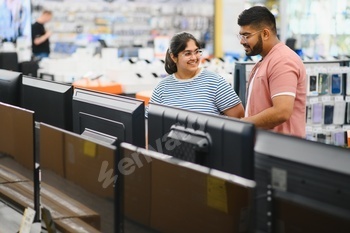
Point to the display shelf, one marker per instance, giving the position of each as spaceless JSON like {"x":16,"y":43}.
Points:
{"x":322,"y":126}
{"x":128,"y":23}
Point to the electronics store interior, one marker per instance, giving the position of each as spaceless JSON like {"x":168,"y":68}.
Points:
{"x":86,"y":145}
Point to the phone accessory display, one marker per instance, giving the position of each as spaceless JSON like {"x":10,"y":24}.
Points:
{"x":321,"y":137}
{"x":323,"y":83}
{"x":336,"y":84}
{"x":328,"y":104}
{"x":308,"y":114}
{"x":312,"y":81}
{"x":310,"y":136}
{"x":338,"y":138}
{"x":347,"y":118}
{"x":328,"y":114}
{"x":317,"y":113}
{"x":339,"y":112}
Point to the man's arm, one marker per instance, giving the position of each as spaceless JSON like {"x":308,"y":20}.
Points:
{"x":43,"y":38}
{"x":236,"y":111}
{"x":280,"y":112}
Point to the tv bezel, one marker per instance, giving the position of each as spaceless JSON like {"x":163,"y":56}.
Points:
{"x":232,"y":152}
{"x":127,"y":114}
{"x":304,"y":174}
{"x":10,"y":87}
{"x":42,"y":97}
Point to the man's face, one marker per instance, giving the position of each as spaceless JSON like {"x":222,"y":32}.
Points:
{"x":47,"y":17}
{"x":251,"y":40}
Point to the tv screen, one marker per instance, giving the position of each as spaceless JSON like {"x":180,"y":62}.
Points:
{"x":10,"y":87}
{"x":218,"y":142}
{"x":306,"y":182}
{"x":79,"y":181}
{"x":18,"y":152}
{"x":114,"y":115}
{"x":51,"y":101}
{"x":164,"y":194}
{"x":17,"y":134}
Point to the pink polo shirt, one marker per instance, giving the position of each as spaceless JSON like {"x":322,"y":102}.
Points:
{"x":281,"y":72}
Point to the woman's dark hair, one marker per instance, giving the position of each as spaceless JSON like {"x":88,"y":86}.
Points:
{"x":257,"y":17}
{"x":177,"y":44}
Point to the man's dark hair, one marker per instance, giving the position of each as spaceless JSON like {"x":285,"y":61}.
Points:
{"x":258,"y":17}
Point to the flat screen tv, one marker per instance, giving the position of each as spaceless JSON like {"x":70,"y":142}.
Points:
{"x":215,"y":141}
{"x":51,"y":101}
{"x":165,"y":194}
{"x":17,"y":139}
{"x":10,"y":87}
{"x":306,"y":182}
{"x":118,"y":116}
{"x":84,"y":171}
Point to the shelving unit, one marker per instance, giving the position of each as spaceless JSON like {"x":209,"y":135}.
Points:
{"x":126,"y":23}
{"x":330,"y":131}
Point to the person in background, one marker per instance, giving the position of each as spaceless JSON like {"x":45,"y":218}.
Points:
{"x":40,"y":37}
{"x":188,"y":86}
{"x":276,"y":94}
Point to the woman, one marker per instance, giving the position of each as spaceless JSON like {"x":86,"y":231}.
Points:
{"x":193,"y":88}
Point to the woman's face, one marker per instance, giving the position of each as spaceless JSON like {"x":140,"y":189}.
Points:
{"x":189,"y":59}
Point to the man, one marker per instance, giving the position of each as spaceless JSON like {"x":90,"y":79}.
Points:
{"x":40,"y":37}
{"x":276,"y":94}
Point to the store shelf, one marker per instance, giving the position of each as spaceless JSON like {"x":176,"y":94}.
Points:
{"x":127,"y":22}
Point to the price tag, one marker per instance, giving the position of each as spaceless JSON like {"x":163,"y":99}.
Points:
{"x":326,"y":98}
{"x":217,"y":194}
{"x":90,"y":149}
{"x":313,"y":100}
{"x":279,"y":179}
{"x":27,"y":220}
{"x":338,"y":98}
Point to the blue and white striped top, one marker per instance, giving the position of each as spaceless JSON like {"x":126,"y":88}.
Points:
{"x":207,"y":92}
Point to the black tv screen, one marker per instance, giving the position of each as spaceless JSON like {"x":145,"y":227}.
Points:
{"x":223,"y":143}
{"x":51,"y":101}
{"x":10,"y":87}
{"x":114,"y":115}
{"x":306,"y":182}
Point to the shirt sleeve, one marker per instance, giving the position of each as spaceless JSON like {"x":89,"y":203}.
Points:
{"x":225,"y":97}
{"x":156,"y":97}
{"x":284,"y":78}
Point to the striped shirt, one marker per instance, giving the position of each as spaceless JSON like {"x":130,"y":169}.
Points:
{"x":207,"y":92}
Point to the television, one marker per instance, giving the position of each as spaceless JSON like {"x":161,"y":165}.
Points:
{"x":10,"y":87}
{"x":215,"y":141}
{"x":302,"y":185}
{"x":165,"y":194}
{"x":117,"y":116}
{"x":51,"y":101}
{"x":17,"y":140}
{"x":80,"y":179}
